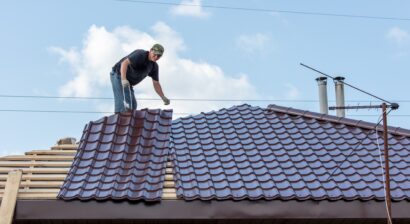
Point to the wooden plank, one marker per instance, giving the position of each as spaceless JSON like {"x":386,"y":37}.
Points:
{"x":42,"y":184}
{"x":40,"y":190}
{"x":51,"y":196}
{"x":64,"y":147}
{"x":36,"y":190}
{"x":168,"y":177}
{"x":38,"y":177}
{"x":34,"y":164}
{"x":51,"y":152}
{"x":169,"y":196}
{"x":169,"y":184}
{"x":38,"y":170}
{"x":38,"y":196}
{"x":169,"y":190}
{"x":8,"y":203}
{"x":38,"y":184}
{"x":37,"y":158}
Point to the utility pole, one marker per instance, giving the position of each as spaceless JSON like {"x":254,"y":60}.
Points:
{"x":384,"y":107}
{"x":386,"y":160}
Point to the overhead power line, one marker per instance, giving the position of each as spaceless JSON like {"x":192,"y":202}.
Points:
{"x":110,"y":112}
{"x":56,"y":97}
{"x":269,"y":10}
{"x":346,"y":84}
{"x":155,"y":99}
{"x":180,"y":99}
{"x":147,"y":99}
{"x":67,"y":111}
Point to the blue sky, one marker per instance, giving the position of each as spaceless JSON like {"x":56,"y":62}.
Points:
{"x":66,"y":48}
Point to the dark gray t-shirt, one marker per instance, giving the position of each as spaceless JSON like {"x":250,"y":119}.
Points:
{"x":139,"y":68}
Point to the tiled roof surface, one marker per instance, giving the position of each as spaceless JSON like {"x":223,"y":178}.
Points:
{"x":122,"y":156}
{"x":247,"y":152}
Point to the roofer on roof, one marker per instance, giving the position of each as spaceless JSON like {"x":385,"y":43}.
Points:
{"x":130,"y":71}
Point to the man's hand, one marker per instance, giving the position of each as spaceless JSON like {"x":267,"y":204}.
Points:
{"x":125,"y":83}
{"x":166,"y":100}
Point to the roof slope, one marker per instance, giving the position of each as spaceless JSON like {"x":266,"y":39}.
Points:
{"x":122,"y":156}
{"x":247,"y":152}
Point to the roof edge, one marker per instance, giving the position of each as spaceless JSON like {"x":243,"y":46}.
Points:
{"x":335,"y":119}
{"x":179,"y":209}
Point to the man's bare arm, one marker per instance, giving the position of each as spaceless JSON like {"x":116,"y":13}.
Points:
{"x":124,"y":67}
{"x":158,"y":89}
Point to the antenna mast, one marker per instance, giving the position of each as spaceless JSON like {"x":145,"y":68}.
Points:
{"x":386,"y":104}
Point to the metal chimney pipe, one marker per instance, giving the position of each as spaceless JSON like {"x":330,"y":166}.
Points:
{"x":322,"y":82}
{"x":340,"y":95}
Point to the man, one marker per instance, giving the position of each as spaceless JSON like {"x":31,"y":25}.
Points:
{"x":130,"y":71}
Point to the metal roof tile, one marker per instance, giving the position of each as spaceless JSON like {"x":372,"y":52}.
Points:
{"x":284,"y":185}
{"x":121,"y":157}
{"x":285,"y":153}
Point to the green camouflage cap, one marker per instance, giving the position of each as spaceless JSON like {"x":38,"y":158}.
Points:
{"x":158,"y":49}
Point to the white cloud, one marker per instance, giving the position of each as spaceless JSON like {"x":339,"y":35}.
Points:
{"x":252,"y":44}
{"x":191,"y":8}
{"x":179,"y":77}
{"x":70,"y":56}
{"x":398,"y":35}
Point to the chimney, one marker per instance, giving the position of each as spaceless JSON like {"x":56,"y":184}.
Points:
{"x":66,"y":141}
{"x":322,"y":82}
{"x":340,"y":95}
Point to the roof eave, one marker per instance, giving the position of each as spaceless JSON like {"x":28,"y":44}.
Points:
{"x":182,"y":210}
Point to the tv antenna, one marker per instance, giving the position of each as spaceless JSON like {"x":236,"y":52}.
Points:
{"x":386,"y":104}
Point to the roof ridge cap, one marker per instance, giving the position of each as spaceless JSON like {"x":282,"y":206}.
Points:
{"x":342,"y":120}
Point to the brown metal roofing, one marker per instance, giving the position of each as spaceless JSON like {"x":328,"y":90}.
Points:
{"x":180,"y":211}
{"x":241,"y":128}
{"x":122,"y":156}
{"x":247,"y":152}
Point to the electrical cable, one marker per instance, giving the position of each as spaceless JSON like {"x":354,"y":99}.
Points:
{"x":181,"y":99}
{"x":268,"y":10}
{"x":381,"y":164}
{"x":71,"y":112}
{"x":356,"y":88}
{"x":156,"y":99}
{"x":353,"y":151}
{"x":182,"y":113}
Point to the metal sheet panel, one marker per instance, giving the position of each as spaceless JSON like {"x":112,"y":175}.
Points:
{"x":254,"y":153}
{"x":122,"y":156}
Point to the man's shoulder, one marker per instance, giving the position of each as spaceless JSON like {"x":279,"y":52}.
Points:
{"x":139,"y":52}
{"x":138,"y":56}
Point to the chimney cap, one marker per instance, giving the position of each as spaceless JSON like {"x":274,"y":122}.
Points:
{"x":339,"y":78}
{"x":321,"y":78}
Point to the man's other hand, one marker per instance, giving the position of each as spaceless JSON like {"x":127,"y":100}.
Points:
{"x":125,"y":83}
{"x":166,"y":100}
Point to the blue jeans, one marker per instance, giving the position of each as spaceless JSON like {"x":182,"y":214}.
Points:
{"x":119,"y":94}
